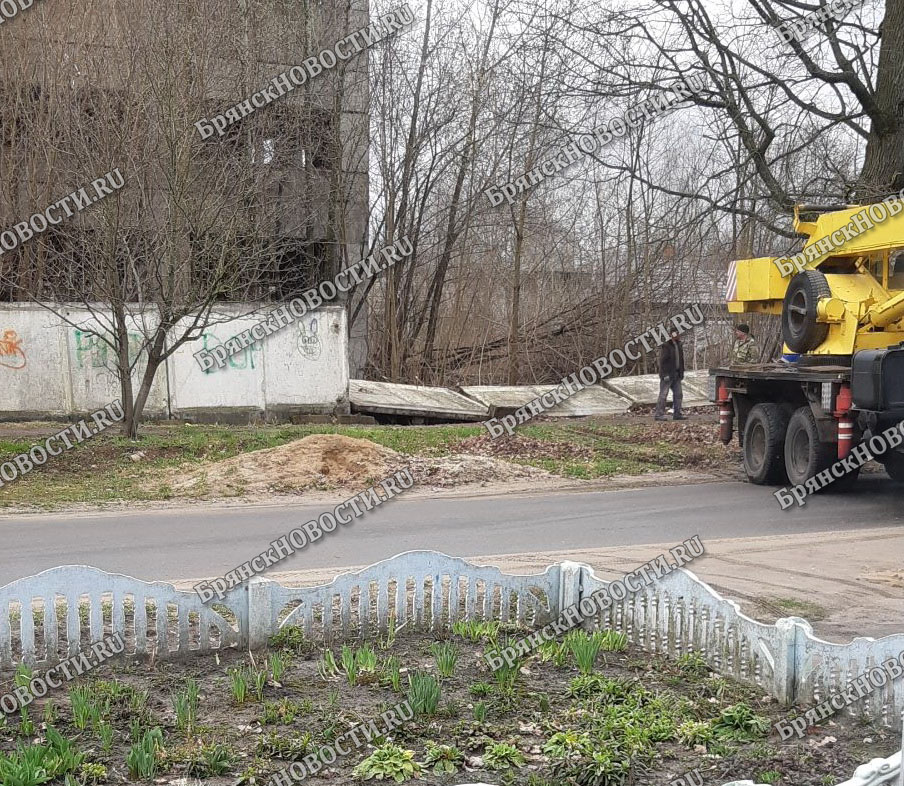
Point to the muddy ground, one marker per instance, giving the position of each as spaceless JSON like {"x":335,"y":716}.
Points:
{"x":631,"y":697}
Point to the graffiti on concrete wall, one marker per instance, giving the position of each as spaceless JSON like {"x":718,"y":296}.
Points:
{"x":309,"y":342}
{"x":11,"y":353}
{"x":240,"y":361}
{"x":92,"y":352}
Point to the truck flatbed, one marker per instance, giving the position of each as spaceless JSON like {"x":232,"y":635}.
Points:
{"x":784,"y":371}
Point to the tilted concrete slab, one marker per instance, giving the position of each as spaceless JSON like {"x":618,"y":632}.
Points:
{"x":644,"y":389}
{"x":594,"y":400}
{"x":614,"y":396}
{"x":387,"y":398}
{"x":699,"y":381}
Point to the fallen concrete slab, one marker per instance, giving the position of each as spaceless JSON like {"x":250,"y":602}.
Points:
{"x":594,"y":400}
{"x":387,"y":398}
{"x":644,"y":389}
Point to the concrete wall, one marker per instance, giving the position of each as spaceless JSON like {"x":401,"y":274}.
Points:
{"x":49,"y":368}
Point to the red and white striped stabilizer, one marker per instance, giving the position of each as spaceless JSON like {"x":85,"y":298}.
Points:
{"x":845,"y":436}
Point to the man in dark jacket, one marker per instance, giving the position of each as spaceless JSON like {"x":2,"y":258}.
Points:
{"x":671,"y":372}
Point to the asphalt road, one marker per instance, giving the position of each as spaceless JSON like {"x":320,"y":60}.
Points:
{"x":202,"y":541}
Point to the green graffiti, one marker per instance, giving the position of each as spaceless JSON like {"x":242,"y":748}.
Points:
{"x":240,"y":361}
{"x":92,"y":352}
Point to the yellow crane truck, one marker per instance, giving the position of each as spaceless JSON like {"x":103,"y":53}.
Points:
{"x":840,"y":380}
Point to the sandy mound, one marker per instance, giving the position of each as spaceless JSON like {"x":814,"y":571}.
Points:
{"x":320,"y":460}
{"x":333,"y":461}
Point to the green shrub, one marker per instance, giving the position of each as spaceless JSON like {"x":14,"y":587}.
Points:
{"x":443,"y":758}
{"x":105,"y":733}
{"x":23,"y":676}
{"x":32,"y":765}
{"x":210,"y":761}
{"x":692,"y":664}
{"x":349,"y":664}
{"x":741,"y":723}
{"x":446,"y":656}
{"x":566,"y":744}
{"x":80,"y":701}
{"x":388,"y":761}
{"x":91,"y":772}
{"x":480,"y":690}
{"x":290,"y":638}
{"x":288,"y":747}
{"x":502,"y":756}
{"x":51,"y":713}
{"x":613,"y":641}
{"x":476,"y":631}
{"x":326,"y":666}
{"x":423,"y":693}
{"x":392,"y":674}
{"x":366,"y":659}
{"x":284,"y":711}
{"x":259,"y":680}
{"x":277,"y":664}
{"x":26,"y":724}
{"x":142,"y":758}
{"x":604,"y":767}
{"x":239,"y":683}
{"x":552,"y":650}
{"x":692,"y":733}
{"x":584,"y":649}
{"x":506,"y":675}
{"x":593,"y":685}
{"x":185,"y":706}
{"x":714,"y":687}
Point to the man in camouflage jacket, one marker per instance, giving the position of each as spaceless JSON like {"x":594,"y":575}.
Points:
{"x":744,"y":349}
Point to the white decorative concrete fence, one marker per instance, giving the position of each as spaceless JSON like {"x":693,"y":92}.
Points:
{"x":679,"y":613}
{"x":57,"y":613}
{"x":75,"y":605}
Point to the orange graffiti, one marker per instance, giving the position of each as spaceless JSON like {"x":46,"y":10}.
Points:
{"x":11,"y":354}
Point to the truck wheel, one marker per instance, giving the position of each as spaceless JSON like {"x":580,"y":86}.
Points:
{"x":805,"y":455}
{"x":894,"y":466}
{"x":764,"y":435}
{"x":800,"y":330}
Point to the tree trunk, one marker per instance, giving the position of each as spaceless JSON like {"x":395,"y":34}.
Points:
{"x":515,"y":323}
{"x":883,"y":165}
{"x":155,"y":354}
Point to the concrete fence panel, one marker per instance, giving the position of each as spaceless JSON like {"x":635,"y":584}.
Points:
{"x":62,"y":611}
{"x":423,"y":590}
{"x":93,"y":378}
{"x":239,"y":384}
{"x":34,"y":362}
{"x":307,"y":364}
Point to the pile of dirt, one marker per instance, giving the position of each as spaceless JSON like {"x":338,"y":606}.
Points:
{"x":466,"y":470}
{"x":317,"y":461}
{"x":333,"y":461}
